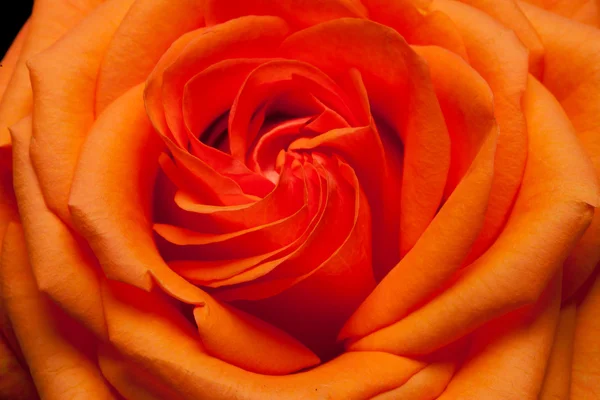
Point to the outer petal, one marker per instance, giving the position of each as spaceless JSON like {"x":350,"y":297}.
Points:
{"x":498,"y":55}
{"x":586,"y":348}
{"x":174,"y":359}
{"x":554,"y":207}
{"x":576,"y":85}
{"x":557,"y":380}
{"x":50,"y":19}
{"x":467,"y":103}
{"x":63,"y":266}
{"x":510,"y":15}
{"x":64,"y":87}
{"x":299,"y":13}
{"x":508,"y":356}
{"x":585,"y":11}
{"x":143,"y":36}
{"x":9,"y":62}
{"x":58,"y":352}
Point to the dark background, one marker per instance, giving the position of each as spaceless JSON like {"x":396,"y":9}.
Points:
{"x":13,"y":16}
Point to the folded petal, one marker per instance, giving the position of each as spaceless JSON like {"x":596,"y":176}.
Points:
{"x":174,"y":358}
{"x":508,"y":357}
{"x":467,"y":104}
{"x":501,"y":59}
{"x":63,"y":78}
{"x":49,"y":21}
{"x":586,"y":349}
{"x":576,"y":85}
{"x":557,"y":380}
{"x":9,"y":62}
{"x":62,"y":263}
{"x":399,"y":87}
{"x":140,"y":40}
{"x":554,"y":207}
{"x":299,"y":13}
{"x":60,"y":355}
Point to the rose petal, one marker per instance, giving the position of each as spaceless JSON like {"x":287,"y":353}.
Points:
{"x":15,"y":383}
{"x":9,"y":62}
{"x":508,"y":356}
{"x":246,"y":37}
{"x":64,"y":89}
{"x":557,"y":380}
{"x":299,"y":13}
{"x":510,"y":15}
{"x":398,"y":84}
{"x":63,"y":266}
{"x":428,"y":265}
{"x":50,"y":19}
{"x":173,"y":357}
{"x":501,"y":59}
{"x":585,"y":11}
{"x":576,"y":85}
{"x":554,"y":207}
{"x":58,"y":352}
{"x":586,"y":350}
{"x":140,"y":40}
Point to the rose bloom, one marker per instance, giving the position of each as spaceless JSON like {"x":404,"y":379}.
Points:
{"x":301,"y":199}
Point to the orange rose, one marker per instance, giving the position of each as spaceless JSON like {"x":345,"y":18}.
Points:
{"x":301,"y":199}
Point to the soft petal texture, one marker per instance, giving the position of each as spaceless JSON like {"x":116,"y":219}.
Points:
{"x":554,"y":207}
{"x":62,"y":265}
{"x":585,"y":11}
{"x":428,"y":265}
{"x":395,"y":72}
{"x":186,"y":371}
{"x":15,"y":382}
{"x":576,"y":85}
{"x":499,"y":56}
{"x":586,"y":349}
{"x":116,"y":221}
{"x":64,"y":88}
{"x":509,"y":355}
{"x":59,"y":354}
{"x":300,"y":13}
{"x":557,"y":380}
{"x":10,"y":59}
{"x":50,"y":19}
{"x":510,"y":15}
{"x":140,"y":40}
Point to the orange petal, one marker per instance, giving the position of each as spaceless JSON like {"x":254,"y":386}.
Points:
{"x":428,"y":265}
{"x":234,"y":337}
{"x":64,"y":89}
{"x":50,"y":19}
{"x":427,"y":384}
{"x":586,"y":348}
{"x":584,"y":11}
{"x":508,"y":357}
{"x":557,"y":380}
{"x":510,"y":15}
{"x":500,"y":58}
{"x":60,"y":355}
{"x":63,"y":266}
{"x":9,"y":62}
{"x":576,"y":85}
{"x":246,"y":37}
{"x":15,"y":382}
{"x":140,"y":40}
{"x":174,"y":358}
{"x":554,"y":207}
{"x":299,"y":13}
{"x":399,"y":87}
